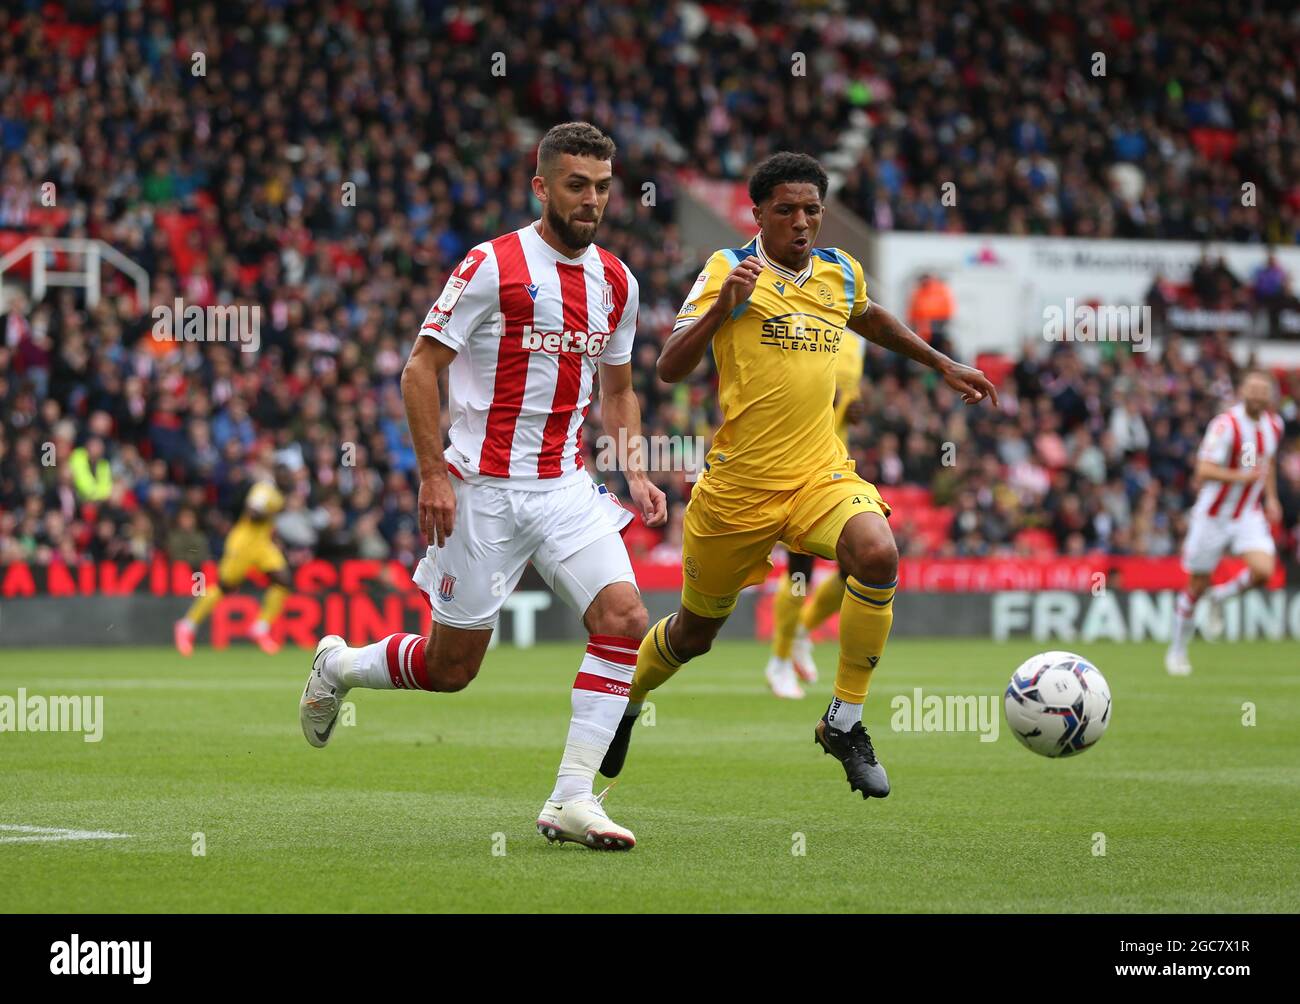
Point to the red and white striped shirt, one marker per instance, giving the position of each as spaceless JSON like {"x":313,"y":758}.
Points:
{"x":1236,"y":440}
{"x":529,"y":326}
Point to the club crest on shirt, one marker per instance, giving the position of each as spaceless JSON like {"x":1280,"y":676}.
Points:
{"x":447,"y":588}
{"x":607,"y":296}
{"x":824,"y":294}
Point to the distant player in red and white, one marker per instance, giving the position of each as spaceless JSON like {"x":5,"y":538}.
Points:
{"x":1234,"y":507}
{"x":521,"y":329}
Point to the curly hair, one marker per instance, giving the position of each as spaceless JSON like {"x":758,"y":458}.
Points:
{"x":784,"y":167}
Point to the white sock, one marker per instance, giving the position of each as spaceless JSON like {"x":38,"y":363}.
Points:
{"x":843,"y":715}
{"x":1239,"y":583}
{"x":599,"y":697}
{"x":1184,"y":609}
{"x":260,"y":627}
{"x":383,"y":665}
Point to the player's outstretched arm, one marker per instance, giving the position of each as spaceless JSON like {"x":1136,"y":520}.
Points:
{"x":620,"y":412}
{"x":420,"y":394}
{"x":879,"y":326}
{"x":685,"y":347}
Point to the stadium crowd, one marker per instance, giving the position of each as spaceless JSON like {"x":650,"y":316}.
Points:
{"x":333,"y":162}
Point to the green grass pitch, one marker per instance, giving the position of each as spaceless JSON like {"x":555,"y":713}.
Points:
{"x":411,"y":808}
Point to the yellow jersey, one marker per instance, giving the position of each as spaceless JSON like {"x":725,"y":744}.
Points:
{"x":777,"y":357}
{"x":262,"y":502}
{"x":251,"y":541}
{"x":848,"y":380}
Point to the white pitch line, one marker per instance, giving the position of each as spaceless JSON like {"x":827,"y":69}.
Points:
{"x":43,"y":834}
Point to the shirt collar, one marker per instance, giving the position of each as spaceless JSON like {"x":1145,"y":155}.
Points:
{"x":798,"y":278}
{"x":531,"y":233}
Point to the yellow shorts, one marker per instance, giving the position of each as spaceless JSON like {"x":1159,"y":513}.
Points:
{"x":248,"y":547}
{"x":730,"y":530}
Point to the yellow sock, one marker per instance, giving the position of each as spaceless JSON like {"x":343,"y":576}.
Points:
{"x":201,"y":607}
{"x":865,"y":618}
{"x":273,"y":603}
{"x":785,"y":615}
{"x":827,"y":598}
{"x":655,"y":662}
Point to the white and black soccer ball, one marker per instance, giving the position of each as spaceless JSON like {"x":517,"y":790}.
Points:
{"x":1057,"y":704}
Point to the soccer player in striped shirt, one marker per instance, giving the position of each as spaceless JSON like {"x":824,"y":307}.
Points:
{"x":1234,"y":506}
{"x":522,"y":328}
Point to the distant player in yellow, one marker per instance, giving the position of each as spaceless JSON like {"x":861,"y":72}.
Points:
{"x":796,"y":613}
{"x":250,"y":545}
{"x":774,"y":313}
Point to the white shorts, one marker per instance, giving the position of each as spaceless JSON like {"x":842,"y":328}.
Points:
{"x":571,"y":535}
{"x":1208,"y":538}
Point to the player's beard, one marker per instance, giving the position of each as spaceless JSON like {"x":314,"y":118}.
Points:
{"x":575,"y":238}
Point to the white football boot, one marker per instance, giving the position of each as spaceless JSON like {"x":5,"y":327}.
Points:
{"x":318,"y":710}
{"x":781,"y":678}
{"x":801,"y":654}
{"x":583,"y":821}
{"x":1176,"y":664}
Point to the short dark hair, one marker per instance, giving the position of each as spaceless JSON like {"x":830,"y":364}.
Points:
{"x":786,"y":167}
{"x":581,"y":139}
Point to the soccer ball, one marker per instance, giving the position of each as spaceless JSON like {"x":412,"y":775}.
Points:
{"x":1057,"y":704}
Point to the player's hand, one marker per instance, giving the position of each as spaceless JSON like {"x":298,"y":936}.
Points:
{"x":739,"y":285}
{"x":1257,"y":473}
{"x":1273,"y":511}
{"x":650,"y":501}
{"x":437,"y":507}
{"x":970,"y":383}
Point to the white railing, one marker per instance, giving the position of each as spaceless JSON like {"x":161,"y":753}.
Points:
{"x":92,"y":254}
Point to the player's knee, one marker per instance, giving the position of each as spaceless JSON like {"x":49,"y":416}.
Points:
{"x":1259,"y":577}
{"x":624,"y":617}
{"x":873,"y":561}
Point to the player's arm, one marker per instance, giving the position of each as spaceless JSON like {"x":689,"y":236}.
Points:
{"x":420,"y":394}
{"x":1272,"y":503}
{"x":1216,"y":453}
{"x":879,"y":326}
{"x":1208,"y":470}
{"x":687,"y":344}
{"x":620,"y":412}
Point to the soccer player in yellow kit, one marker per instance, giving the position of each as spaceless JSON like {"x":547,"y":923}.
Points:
{"x":795,"y":614}
{"x":774,"y":313}
{"x":249,"y":545}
